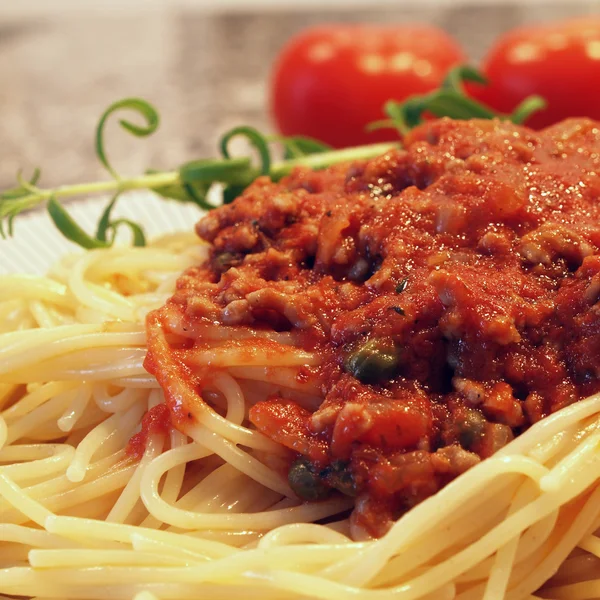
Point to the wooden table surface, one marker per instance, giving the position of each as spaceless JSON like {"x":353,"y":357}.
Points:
{"x":205,"y":73}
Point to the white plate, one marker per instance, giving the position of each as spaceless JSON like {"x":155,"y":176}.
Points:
{"x":37,"y":244}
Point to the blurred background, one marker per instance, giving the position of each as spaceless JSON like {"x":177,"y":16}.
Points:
{"x":203,"y":64}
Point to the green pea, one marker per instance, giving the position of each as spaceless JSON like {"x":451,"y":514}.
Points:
{"x":306,"y":484}
{"x":374,"y":361}
{"x":225,"y":260}
{"x":469,"y":426}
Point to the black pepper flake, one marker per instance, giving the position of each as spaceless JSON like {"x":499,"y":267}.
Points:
{"x":397,"y":309}
{"x":402,"y":286}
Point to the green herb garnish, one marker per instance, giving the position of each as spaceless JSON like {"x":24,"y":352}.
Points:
{"x":192,"y":181}
{"x":451,"y":100}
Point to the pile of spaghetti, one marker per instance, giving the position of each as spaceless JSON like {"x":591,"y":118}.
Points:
{"x":324,"y":404}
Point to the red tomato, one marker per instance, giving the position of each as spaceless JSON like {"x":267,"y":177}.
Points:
{"x":559,"y":61}
{"x":287,"y":423}
{"x":330,"y":82}
{"x":391,"y":425}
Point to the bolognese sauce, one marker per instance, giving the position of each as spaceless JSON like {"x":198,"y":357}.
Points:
{"x":450,"y":290}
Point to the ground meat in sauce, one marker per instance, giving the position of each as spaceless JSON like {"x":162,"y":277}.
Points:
{"x":452,"y":289}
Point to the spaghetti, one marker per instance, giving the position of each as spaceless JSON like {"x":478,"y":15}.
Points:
{"x":196,"y":503}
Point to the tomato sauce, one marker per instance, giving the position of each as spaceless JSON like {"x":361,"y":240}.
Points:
{"x":451,"y":290}
{"x":156,"y":421}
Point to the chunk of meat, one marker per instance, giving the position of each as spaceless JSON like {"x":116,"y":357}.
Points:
{"x":390,"y":425}
{"x":551,"y":241}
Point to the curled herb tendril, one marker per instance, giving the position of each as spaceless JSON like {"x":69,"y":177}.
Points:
{"x":138,"y":105}
{"x":256,"y":139}
{"x":193,"y":181}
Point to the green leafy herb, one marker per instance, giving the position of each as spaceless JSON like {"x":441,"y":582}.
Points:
{"x":105,"y":223}
{"x":299,"y":146}
{"x":136,"y":104}
{"x":529,"y":106}
{"x":14,"y":201}
{"x":456,"y":76}
{"x":450,"y":100}
{"x":106,"y":226}
{"x":69,"y":228}
{"x":256,"y":139}
{"x":193,"y":181}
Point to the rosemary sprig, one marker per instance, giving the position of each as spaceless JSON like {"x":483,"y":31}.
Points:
{"x":192,"y":181}
{"x":450,"y":100}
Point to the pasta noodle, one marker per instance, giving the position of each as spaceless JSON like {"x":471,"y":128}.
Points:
{"x":206,"y":513}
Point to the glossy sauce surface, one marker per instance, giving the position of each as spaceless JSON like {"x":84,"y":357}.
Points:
{"x":450,"y":290}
